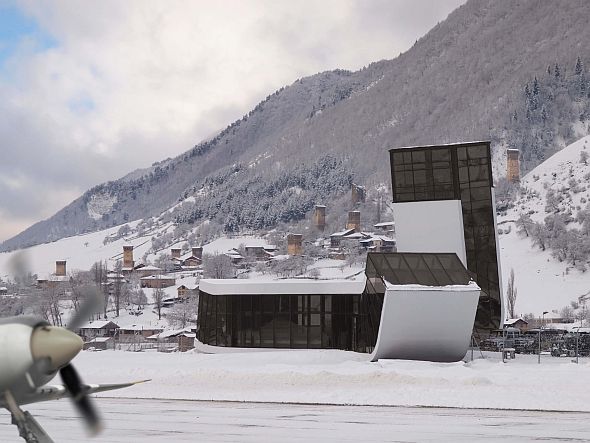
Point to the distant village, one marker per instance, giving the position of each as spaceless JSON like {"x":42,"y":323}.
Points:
{"x":175,"y":278}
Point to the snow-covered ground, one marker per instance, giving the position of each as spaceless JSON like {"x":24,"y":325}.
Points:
{"x":542,"y":282}
{"x":340,"y":377}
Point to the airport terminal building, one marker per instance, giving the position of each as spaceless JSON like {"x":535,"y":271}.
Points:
{"x":422,"y":302}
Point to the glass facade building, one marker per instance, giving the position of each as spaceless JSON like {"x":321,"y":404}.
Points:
{"x":249,"y":315}
{"x":458,"y":172}
{"x":278,"y":320}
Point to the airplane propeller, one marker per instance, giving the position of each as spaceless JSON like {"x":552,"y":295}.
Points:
{"x":81,"y":400}
{"x":92,"y":303}
{"x":53,"y":347}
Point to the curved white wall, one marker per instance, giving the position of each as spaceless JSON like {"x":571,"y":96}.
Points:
{"x":426,"y":322}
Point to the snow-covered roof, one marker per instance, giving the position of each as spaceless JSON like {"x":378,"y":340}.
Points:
{"x":355,"y":235}
{"x":99,"y":324}
{"x":55,"y":278}
{"x":470,"y":287}
{"x":158,"y":277}
{"x":172,"y":333}
{"x":280,"y":287}
{"x":3,"y":288}
{"x":136,"y":327}
{"x":441,"y":145}
{"x":342,"y":233}
{"x":511,"y":321}
{"x":384,"y":224}
{"x":150,"y":268}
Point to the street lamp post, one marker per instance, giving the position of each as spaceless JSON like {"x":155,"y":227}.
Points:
{"x":541,"y":327}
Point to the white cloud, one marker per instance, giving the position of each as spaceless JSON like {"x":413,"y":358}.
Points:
{"x":132,"y":82}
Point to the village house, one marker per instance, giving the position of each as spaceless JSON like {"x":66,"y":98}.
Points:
{"x":3,"y":290}
{"x":189,"y":261}
{"x":157,"y":281}
{"x":133,"y":332}
{"x":185,"y":292}
{"x":97,"y":328}
{"x":100,"y":344}
{"x":378,"y":243}
{"x":519,"y":323}
{"x":235,"y":256}
{"x":147,"y":270}
{"x":260,"y":252}
{"x":182,"y":339}
{"x":336,"y":237}
{"x":385,"y":227}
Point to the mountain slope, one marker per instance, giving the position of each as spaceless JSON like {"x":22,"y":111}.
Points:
{"x":544,"y":282}
{"x":462,"y":81}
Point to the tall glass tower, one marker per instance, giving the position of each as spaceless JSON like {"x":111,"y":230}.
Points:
{"x":460,"y":172}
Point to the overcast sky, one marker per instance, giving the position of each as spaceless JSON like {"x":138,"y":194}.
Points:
{"x":90,"y":90}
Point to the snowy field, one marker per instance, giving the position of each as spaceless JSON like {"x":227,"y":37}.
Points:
{"x":152,"y":421}
{"x":345,"y":378}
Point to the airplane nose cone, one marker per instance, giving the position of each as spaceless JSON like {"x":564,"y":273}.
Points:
{"x":57,"y":344}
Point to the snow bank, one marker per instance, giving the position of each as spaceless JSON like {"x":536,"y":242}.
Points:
{"x":339,"y":377}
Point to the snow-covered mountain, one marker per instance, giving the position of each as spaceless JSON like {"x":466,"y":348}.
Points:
{"x":543,"y":282}
{"x":471,"y":77}
{"x":558,"y":187}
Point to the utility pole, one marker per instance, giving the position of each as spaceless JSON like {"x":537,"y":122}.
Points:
{"x":541,"y":327}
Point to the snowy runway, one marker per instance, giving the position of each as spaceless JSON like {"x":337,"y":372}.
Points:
{"x":146,"y":420}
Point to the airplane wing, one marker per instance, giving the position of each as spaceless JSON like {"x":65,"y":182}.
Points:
{"x":55,"y":392}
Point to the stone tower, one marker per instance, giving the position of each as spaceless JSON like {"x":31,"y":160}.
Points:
{"x":319,"y":217}
{"x":128,"y":257}
{"x":60,"y":268}
{"x":513,"y":166}
{"x":354,"y":221}
{"x":175,"y":252}
{"x":198,"y":252}
{"x":295,"y":244}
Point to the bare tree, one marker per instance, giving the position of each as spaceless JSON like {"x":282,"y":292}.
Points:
{"x":511,"y":294}
{"x":137,"y":297}
{"x":99,"y":271}
{"x":568,"y":314}
{"x":183,"y":313}
{"x":217,"y":266}
{"x":524,"y":224}
{"x":164,"y":262}
{"x":158,"y":297}
{"x":118,"y":285}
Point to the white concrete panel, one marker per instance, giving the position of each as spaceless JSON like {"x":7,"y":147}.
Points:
{"x":502,"y":304}
{"x":432,"y":323}
{"x":430,"y":226}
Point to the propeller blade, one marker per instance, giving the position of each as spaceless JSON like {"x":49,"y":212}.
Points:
{"x":81,"y":400}
{"x":19,"y":265}
{"x":92,"y":304}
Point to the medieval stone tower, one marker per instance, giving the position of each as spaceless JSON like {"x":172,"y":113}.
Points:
{"x":60,"y":268}
{"x":128,"y":257}
{"x":354,"y":221}
{"x":295,"y":244}
{"x":513,"y":166}
{"x":319,"y":217}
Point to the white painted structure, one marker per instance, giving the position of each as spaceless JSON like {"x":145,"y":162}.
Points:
{"x":445,"y":314}
{"x":430,"y":226}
